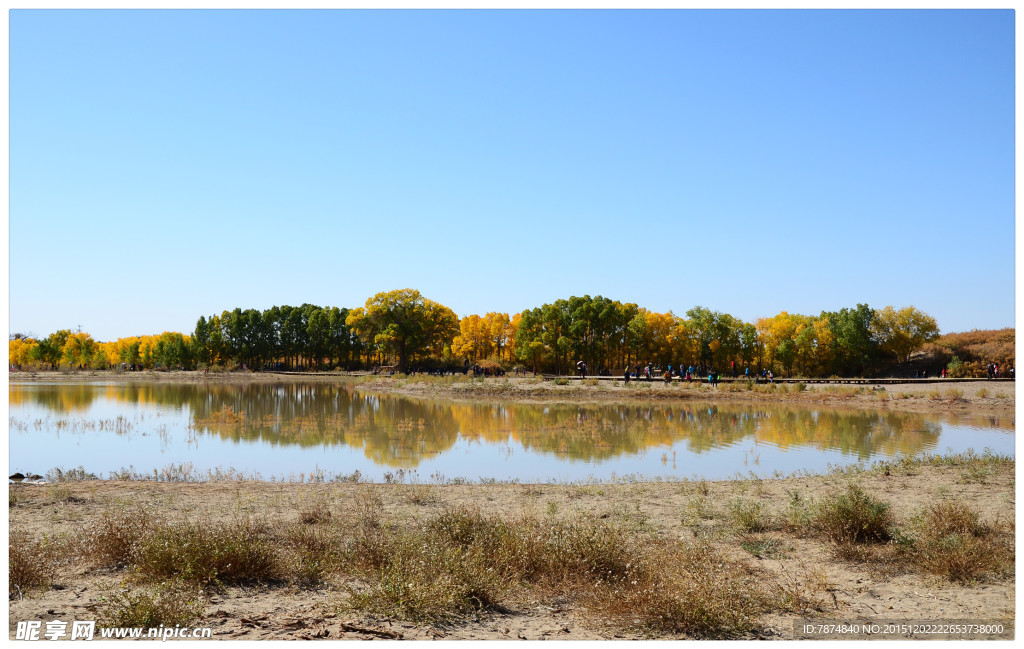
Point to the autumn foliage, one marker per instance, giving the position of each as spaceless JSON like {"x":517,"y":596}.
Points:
{"x":967,"y":353}
{"x":405,"y":329}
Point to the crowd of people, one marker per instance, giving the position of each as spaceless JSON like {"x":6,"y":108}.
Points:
{"x":650,"y":371}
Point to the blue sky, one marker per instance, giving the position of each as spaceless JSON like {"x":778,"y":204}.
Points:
{"x":171,"y":164}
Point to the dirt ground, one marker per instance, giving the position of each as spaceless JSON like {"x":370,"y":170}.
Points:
{"x":845,"y":590}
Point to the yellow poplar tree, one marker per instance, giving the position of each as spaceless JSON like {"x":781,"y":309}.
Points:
{"x":18,"y":350}
{"x":498,"y":330}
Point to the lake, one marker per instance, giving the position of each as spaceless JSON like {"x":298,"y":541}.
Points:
{"x":292,"y":431}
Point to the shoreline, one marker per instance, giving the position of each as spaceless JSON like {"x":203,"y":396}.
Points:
{"x":948,"y":395}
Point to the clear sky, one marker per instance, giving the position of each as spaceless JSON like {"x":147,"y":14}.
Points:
{"x":171,"y":164}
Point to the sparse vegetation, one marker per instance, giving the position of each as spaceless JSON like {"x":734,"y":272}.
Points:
{"x":168,"y":604}
{"x":750,"y":516}
{"x":954,"y":543}
{"x":240,"y":552}
{"x":398,"y":551}
{"x":32,"y":563}
{"x":854,"y":516}
{"x":764,"y":547}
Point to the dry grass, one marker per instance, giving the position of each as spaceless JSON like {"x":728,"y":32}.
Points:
{"x":955,"y":544}
{"x":235,"y":553}
{"x":689,"y":588}
{"x":115,"y":541}
{"x":854,"y":516}
{"x":169,"y":604}
{"x":414,"y":559}
{"x":32,"y":564}
{"x":312,"y":554}
{"x":462,"y":560}
{"x":751,"y":515}
{"x":318,"y":512}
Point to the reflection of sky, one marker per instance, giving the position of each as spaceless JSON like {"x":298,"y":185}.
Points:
{"x":159,"y":437}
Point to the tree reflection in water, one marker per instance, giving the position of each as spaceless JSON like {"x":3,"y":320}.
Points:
{"x":400,"y":432}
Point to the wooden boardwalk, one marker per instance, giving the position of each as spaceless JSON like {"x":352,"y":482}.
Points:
{"x":848,"y":381}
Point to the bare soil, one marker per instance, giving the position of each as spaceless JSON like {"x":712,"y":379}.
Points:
{"x":843,"y":590}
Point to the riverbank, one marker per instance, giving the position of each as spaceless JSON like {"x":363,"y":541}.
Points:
{"x":950,"y":395}
{"x":323,"y":559}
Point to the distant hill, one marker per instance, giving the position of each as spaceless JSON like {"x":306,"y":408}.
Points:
{"x":974,"y":349}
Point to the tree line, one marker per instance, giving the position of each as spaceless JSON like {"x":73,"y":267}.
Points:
{"x":407,"y":331}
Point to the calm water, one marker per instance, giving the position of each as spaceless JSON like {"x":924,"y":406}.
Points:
{"x":284,"y":431}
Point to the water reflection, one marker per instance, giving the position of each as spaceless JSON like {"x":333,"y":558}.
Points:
{"x":402,"y":432}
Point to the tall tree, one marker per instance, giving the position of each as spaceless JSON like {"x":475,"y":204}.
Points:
{"x":856,"y":348}
{"x":903,"y":332}
{"x":404,"y":323}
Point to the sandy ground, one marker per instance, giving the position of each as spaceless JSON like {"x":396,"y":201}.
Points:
{"x":845,"y":590}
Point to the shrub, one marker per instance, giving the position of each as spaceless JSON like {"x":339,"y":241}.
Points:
{"x":750,"y":516}
{"x":855,"y":516}
{"x":955,"y":544}
{"x":116,"y":540}
{"x":688,"y":588}
{"x":945,"y":518}
{"x":798,"y":513}
{"x":32,"y":563}
{"x":236,"y":553}
{"x":170,"y":604}
{"x":315,"y":552}
{"x":459,"y":561}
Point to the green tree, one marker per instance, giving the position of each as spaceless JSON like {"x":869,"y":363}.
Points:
{"x":405,"y":324}
{"x":201,"y":341}
{"x":856,"y":350}
{"x":51,"y":349}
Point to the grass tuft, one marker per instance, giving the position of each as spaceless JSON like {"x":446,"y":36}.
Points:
{"x":169,"y":604}
{"x":750,"y":516}
{"x":855,"y":517}
{"x":115,"y":541}
{"x":241,"y":552}
{"x":955,"y":544}
{"x":32,"y":564}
